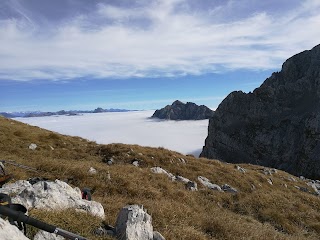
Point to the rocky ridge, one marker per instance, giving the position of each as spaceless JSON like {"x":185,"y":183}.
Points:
{"x":277,"y":125}
{"x":183,"y":111}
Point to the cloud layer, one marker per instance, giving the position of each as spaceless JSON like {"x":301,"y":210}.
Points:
{"x":152,"y":38}
{"x":186,"y":137}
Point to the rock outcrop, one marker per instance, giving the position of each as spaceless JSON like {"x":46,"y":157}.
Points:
{"x":183,"y":111}
{"x":278,"y":125}
{"x":134,"y":223}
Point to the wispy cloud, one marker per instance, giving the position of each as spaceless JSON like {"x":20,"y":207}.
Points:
{"x":154,"y":38}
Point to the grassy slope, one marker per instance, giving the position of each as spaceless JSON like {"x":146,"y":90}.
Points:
{"x":268,"y":212}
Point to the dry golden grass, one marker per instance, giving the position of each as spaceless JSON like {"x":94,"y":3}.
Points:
{"x":268,"y":212}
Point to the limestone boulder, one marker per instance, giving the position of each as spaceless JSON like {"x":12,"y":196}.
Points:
{"x":50,"y":195}
{"x":134,"y":223}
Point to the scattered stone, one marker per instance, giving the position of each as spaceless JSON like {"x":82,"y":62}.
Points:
{"x":240,"y":169}
{"x":302,"y":178}
{"x":158,"y":236}
{"x":182,"y":179}
{"x":140,"y":154}
{"x":134,"y":223}
{"x":159,"y":170}
{"x":285,"y":185}
{"x":267,"y":171}
{"x":315,"y":184}
{"x":33,"y":146}
{"x":92,"y":171}
{"x":109,"y":161}
{"x":108,"y":176}
{"x":302,"y":189}
{"x":205,"y":182}
{"x":270,"y":181}
{"x":135,"y":162}
{"x":253,"y":187}
{"x":52,"y":148}
{"x":292,"y":179}
{"x":182,"y":160}
{"x":191,"y":186}
{"x":48,"y":195}
{"x":10,"y":232}
{"x":42,"y":235}
{"x":228,"y":188}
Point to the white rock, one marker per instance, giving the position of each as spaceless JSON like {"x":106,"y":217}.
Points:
{"x":135,"y":163}
{"x":205,"y":182}
{"x":92,"y":171}
{"x":10,"y":232}
{"x":48,"y":195}
{"x":159,"y":170}
{"x":269,"y":180}
{"x":42,"y":235}
{"x":33,"y":146}
{"x":182,"y":179}
{"x":133,"y":223}
{"x":240,"y":169}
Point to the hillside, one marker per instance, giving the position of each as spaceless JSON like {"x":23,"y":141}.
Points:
{"x":287,"y":209}
{"x":183,"y":111}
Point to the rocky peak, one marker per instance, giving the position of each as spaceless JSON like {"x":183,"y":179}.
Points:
{"x":278,"y":125}
{"x":183,"y":111}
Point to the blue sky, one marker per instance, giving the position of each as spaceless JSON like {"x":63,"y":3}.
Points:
{"x":144,"y":54}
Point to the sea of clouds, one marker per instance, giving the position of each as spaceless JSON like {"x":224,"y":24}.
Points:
{"x":136,"y":127}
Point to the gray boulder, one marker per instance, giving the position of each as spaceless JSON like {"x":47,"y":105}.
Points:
{"x":277,"y":125}
{"x":134,"y":223}
{"x":183,"y":111}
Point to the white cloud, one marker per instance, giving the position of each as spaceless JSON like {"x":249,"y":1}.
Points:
{"x":152,"y":40}
{"x":129,"y":128}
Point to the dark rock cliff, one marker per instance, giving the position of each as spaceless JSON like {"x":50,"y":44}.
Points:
{"x":278,"y":125}
{"x":182,"y":111}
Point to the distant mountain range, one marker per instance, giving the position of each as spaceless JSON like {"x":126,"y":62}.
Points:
{"x":61,"y":112}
